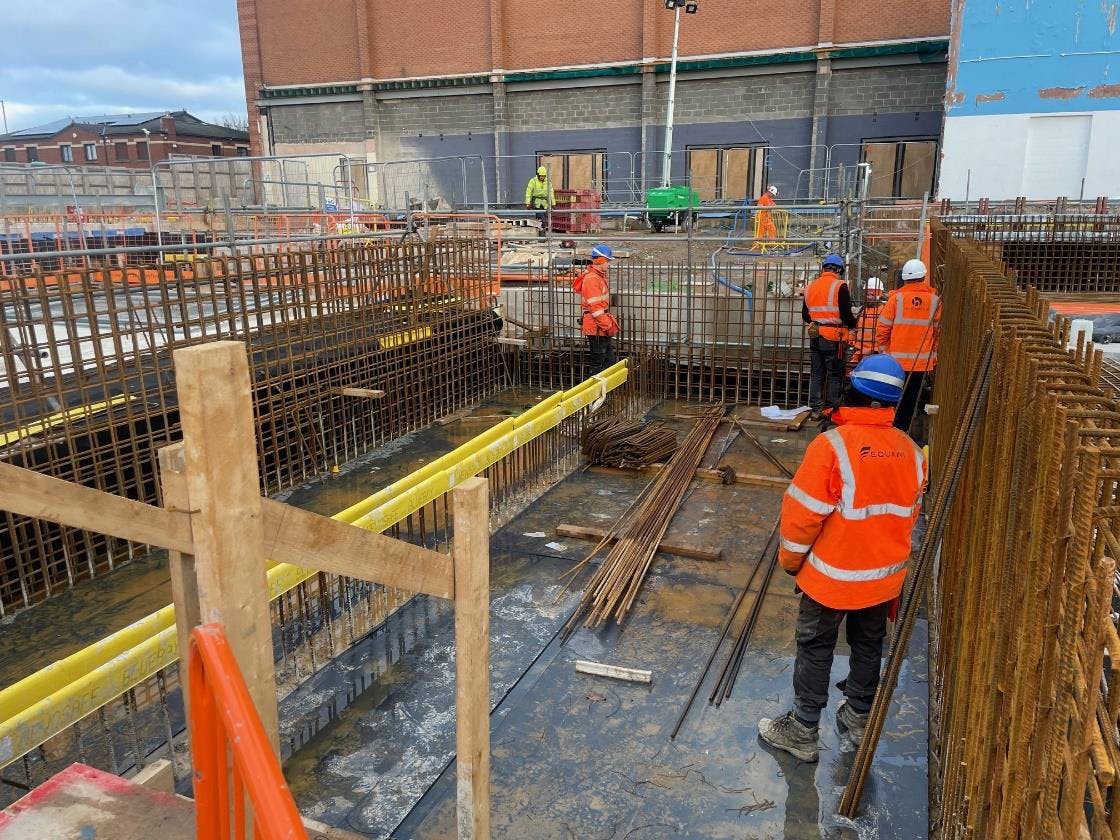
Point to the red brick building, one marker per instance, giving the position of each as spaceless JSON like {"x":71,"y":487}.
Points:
{"x":514,"y":81}
{"x":122,"y":140}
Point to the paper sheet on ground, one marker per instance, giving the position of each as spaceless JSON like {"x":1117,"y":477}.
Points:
{"x":772,"y":412}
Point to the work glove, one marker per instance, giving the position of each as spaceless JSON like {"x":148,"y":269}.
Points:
{"x":814,"y":329}
{"x":529,"y":206}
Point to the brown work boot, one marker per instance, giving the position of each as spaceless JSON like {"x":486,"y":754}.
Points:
{"x":789,"y":734}
{"x":852,"y":721}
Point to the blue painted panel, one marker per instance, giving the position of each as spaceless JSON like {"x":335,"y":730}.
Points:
{"x":1037,"y":56}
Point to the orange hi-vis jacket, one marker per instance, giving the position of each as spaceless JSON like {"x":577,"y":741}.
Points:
{"x":850,"y":509}
{"x":766,"y":227}
{"x":908,"y":326}
{"x":595,"y":297}
{"x":864,"y":337}
{"x":822,"y":299}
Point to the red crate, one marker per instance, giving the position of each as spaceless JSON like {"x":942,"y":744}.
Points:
{"x":577,"y":222}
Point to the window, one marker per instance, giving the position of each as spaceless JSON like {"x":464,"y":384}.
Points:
{"x":120,"y":151}
{"x":141,"y":150}
{"x":901,"y":168}
{"x":215,"y":150}
{"x":732,"y":173}
{"x":32,"y":153}
{"x":90,"y":150}
{"x":9,"y":154}
{"x":243,"y":151}
{"x":66,"y":152}
{"x":576,"y":170}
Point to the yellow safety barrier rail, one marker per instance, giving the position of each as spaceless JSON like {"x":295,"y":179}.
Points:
{"x":55,"y":698}
{"x":60,"y":418}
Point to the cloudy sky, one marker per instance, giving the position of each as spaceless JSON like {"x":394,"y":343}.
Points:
{"x":64,"y":58}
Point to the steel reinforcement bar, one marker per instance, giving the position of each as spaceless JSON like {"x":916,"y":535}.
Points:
{"x":350,"y":346}
{"x":57,"y":698}
{"x":1024,"y":692}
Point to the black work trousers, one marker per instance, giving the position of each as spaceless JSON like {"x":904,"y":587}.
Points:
{"x":827,"y":372}
{"x":911,"y":402}
{"x":817,"y":629}
{"x":602,"y":352}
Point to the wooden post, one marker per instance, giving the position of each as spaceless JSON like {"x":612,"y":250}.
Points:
{"x":184,"y":582}
{"x":224,"y":491}
{"x":471,"y":550}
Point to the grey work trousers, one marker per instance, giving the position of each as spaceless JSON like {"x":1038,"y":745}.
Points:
{"x":817,"y":629}
{"x":827,"y":372}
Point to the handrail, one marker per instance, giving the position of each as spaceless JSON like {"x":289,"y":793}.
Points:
{"x":224,"y":721}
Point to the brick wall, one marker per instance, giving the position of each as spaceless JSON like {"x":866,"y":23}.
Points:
{"x":304,"y":42}
{"x":780,"y":96}
{"x":887,"y":90}
{"x":611,"y":106}
{"x":889,"y":19}
{"x":317,"y":123}
{"x":437,"y":114}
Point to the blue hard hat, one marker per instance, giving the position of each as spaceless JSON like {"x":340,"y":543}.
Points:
{"x":833,"y":261}
{"x":880,"y":377}
{"x":602,"y":250}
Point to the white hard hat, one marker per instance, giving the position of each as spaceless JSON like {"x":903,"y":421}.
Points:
{"x":772,"y":190}
{"x":914,"y":270}
{"x":874,"y":284}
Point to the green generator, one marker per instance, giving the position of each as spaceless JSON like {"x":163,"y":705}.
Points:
{"x":671,"y":206}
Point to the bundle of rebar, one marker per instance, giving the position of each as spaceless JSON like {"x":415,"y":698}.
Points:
{"x":611,"y":591}
{"x":618,"y":442}
{"x":729,"y":673}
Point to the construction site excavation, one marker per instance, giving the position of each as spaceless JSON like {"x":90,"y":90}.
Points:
{"x":706,"y":427}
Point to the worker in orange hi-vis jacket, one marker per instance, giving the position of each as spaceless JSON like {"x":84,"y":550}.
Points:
{"x":908,"y":329}
{"x":862,"y":339}
{"x":846,"y":525}
{"x":597,"y":323}
{"x":766,"y":227}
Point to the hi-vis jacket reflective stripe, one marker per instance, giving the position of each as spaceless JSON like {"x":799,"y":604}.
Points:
{"x":908,"y":326}
{"x":822,"y":299}
{"x":540,"y":195}
{"x":850,"y":509}
{"x":595,"y":298}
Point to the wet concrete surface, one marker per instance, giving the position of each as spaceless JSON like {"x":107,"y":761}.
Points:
{"x":586,"y":757}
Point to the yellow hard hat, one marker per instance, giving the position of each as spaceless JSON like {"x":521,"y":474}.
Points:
{"x":541,"y":170}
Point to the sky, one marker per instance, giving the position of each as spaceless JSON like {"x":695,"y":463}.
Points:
{"x":64,"y":58}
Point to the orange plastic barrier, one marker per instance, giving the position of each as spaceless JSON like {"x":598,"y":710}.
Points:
{"x":223,"y":720}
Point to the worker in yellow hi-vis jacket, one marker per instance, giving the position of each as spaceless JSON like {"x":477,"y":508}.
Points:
{"x":540,"y":196}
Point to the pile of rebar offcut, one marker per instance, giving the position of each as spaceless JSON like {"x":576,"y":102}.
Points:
{"x":612,"y":589}
{"x":618,"y":442}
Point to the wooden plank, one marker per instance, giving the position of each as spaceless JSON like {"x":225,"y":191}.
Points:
{"x":157,"y":776}
{"x":227,"y":526}
{"x":471,"y":551}
{"x":596,"y":534}
{"x":367,"y":393}
{"x":615,"y":672}
{"x":29,"y":493}
{"x":184,"y":579}
{"x":309,"y":540}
